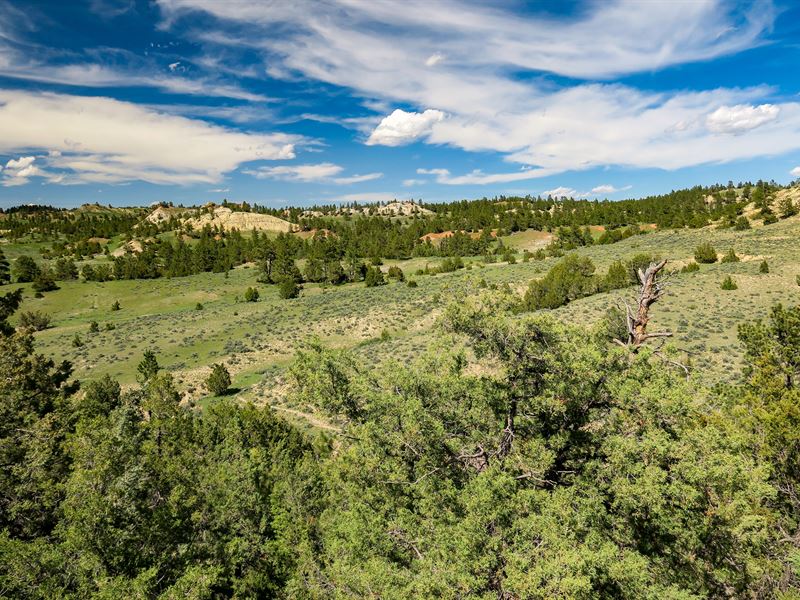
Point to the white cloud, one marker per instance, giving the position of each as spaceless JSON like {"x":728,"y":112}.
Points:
{"x":437,"y":172}
{"x":609,"y":189}
{"x":795,"y":172}
{"x":741,"y":118}
{"x":306,"y":173}
{"x":219,"y":190}
{"x":322,"y":172}
{"x":560,"y":191}
{"x":403,"y":127}
{"x":381,"y":54}
{"x":20,"y":163}
{"x":413,"y":182}
{"x":96,"y":139}
{"x":434,"y":59}
{"x":358,"y":178}
{"x":19,"y":171}
{"x":478,"y":177}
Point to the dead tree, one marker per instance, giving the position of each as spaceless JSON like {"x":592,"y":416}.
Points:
{"x":650,"y":290}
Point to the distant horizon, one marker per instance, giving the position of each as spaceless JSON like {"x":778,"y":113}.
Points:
{"x":133,"y":102}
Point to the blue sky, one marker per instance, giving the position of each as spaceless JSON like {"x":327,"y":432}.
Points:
{"x":136,"y":101}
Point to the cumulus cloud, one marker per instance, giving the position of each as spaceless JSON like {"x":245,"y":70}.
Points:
{"x":96,"y":139}
{"x":561,"y":191}
{"x":19,"y":171}
{"x":322,"y":172}
{"x":795,"y":172}
{"x":741,"y":118}
{"x":403,"y":127}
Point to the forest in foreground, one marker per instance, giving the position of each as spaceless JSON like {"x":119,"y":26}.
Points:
{"x":517,"y":424}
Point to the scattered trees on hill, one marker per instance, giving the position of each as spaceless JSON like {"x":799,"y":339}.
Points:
{"x":251,"y":295}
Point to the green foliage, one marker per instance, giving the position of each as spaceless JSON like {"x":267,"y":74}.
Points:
{"x":396,"y":273}
{"x":148,"y":367}
{"x":219,"y":380}
{"x":5,"y":269}
{"x":251,"y":295}
{"x":44,"y":282}
{"x":65,"y":269}
{"x":288,"y":288}
{"x":618,"y":276}
{"x":691,"y":267}
{"x":412,"y":283}
{"x":728,"y":284}
{"x":730,"y":257}
{"x":741,"y":224}
{"x":786,"y":208}
{"x":573,"y":471}
{"x":77,"y":341}
{"x":705,"y":254}
{"x":198,"y":306}
{"x":34,"y":320}
{"x":374,"y":277}
{"x":25,"y":269}
{"x":94,"y":327}
{"x":116,"y":305}
{"x":763,"y":267}
{"x":572,"y":277}
{"x":9,"y":303}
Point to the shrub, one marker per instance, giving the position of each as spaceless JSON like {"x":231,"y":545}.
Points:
{"x":640,"y":261}
{"x":44,"y":282}
{"x":730,"y":257}
{"x":618,"y":276}
{"x":412,"y":283}
{"x":571,"y":278}
{"x":692,"y":267}
{"x":198,"y":306}
{"x":288,"y":288}
{"x":35,"y":320}
{"x":705,"y":254}
{"x":251,"y":295}
{"x":110,"y":327}
{"x":94,"y":327}
{"x":764,"y":267}
{"x":77,"y":342}
{"x":115,"y":306}
{"x":729,"y":284}
{"x":374,"y":277}
{"x":396,"y":273}
{"x":219,"y":380}
{"x":741,"y":224}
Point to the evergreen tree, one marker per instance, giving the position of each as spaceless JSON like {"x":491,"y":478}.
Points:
{"x":219,"y":380}
{"x":5,"y":272}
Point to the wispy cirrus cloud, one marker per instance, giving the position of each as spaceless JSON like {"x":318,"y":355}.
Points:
{"x":307,"y":173}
